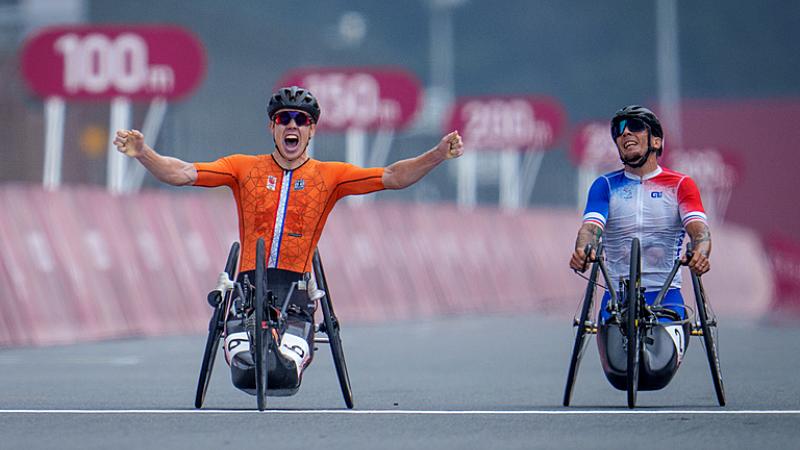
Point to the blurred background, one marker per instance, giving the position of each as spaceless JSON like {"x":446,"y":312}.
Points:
{"x":721,"y":75}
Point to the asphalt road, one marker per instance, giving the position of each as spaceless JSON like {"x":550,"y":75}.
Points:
{"x":467,"y":382}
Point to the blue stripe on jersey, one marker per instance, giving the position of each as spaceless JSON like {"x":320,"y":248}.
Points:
{"x":280,"y":220}
{"x":692,"y":216}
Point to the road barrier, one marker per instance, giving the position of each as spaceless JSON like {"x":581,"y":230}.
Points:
{"x":80,"y":264}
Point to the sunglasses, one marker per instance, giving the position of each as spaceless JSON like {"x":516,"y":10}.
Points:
{"x":634,"y":125}
{"x":300,"y":118}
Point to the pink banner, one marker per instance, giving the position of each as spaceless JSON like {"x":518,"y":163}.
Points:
{"x":80,"y":264}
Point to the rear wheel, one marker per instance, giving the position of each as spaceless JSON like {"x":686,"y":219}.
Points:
{"x":215,"y":327}
{"x":709,"y":330}
{"x":261,"y":328}
{"x":633,"y":322}
{"x":581,"y":334}
{"x":332,"y":330}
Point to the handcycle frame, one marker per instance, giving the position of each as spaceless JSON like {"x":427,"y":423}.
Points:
{"x":636,"y":316}
{"x":257,"y":297}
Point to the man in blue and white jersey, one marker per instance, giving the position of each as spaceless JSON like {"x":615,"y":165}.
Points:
{"x":659,"y":206}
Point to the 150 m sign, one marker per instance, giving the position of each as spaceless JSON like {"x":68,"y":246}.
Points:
{"x":101,"y":62}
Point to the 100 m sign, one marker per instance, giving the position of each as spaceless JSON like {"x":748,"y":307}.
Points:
{"x":95,"y":62}
{"x":100,"y":62}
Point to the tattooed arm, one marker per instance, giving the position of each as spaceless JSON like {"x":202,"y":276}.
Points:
{"x":701,"y":244}
{"x":588,"y":234}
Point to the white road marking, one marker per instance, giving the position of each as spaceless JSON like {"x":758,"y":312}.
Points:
{"x":405,"y":412}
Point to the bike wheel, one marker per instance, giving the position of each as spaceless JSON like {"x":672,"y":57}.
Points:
{"x":634,"y":323}
{"x":215,"y":326}
{"x":261,"y":329}
{"x":581,"y":334}
{"x":709,"y":338}
{"x":332,"y":330}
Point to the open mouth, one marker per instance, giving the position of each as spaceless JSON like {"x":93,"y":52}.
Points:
{"x":291,"y":142}
{"x":629,"y":144}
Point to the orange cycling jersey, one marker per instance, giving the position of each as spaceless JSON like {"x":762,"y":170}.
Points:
{"x":286,"y":207}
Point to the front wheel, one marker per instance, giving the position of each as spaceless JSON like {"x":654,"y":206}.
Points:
{"x":634,"y":322}
{"x":261,"y":328}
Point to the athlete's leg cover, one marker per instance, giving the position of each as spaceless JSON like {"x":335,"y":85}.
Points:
{"x":663,"y":350}
{"x":239,"y":356}
{"x":293,"y":341}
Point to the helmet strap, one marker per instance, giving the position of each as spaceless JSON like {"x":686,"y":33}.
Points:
{"x":643,"y":159}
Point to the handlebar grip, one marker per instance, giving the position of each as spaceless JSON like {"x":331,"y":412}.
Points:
{"x":689,"y":253}
{"x":587,"y":258}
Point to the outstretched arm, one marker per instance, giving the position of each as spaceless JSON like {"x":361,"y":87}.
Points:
{"x":589,"y":233}
{"x":701,"y":246}
{"x":408,"y":171}
{"x":165,"y":168}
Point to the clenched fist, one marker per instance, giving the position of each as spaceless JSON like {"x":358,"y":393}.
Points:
{"x":129,"y":142}
{"x":451,"y":145}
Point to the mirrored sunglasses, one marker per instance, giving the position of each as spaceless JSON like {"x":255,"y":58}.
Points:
{"x":300,"y":118}
{"x":633,"y":125}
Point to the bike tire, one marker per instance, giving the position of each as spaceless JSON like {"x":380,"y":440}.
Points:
{"x":332,"y":330}
{"x":633,"y":325}
{"x":709,"y":339}
{"x":215,"y":327}
{"x":581,"y":335}
{"x":262,"y":340}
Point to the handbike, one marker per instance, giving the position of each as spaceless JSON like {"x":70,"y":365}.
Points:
{"x":255,"y":298}
{"x":637,"y":319}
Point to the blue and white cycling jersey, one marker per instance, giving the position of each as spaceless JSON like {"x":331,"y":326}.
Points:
{"x":655,"y":208}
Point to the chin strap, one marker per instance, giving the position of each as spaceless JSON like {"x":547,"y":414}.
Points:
{"x":643,"y":159}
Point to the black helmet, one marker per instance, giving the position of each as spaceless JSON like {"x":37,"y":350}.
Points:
{"x":639,"y":112}
{"x":652,"y":122}
{"x":293,"y":98}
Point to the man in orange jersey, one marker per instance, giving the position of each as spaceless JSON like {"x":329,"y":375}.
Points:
{"x":284,"y":197}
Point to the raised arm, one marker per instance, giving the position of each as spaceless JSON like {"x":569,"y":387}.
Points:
{"x":700,"y":235}
{"x":165,"y":168}
{"x":404,"y":173}
{"x":589,"y":233}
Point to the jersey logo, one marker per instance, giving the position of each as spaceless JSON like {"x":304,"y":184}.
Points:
{"x":656,"y":194}
{"x":299,"y":185}
{"x":627,"y":192}
{"x":272,"y":182}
